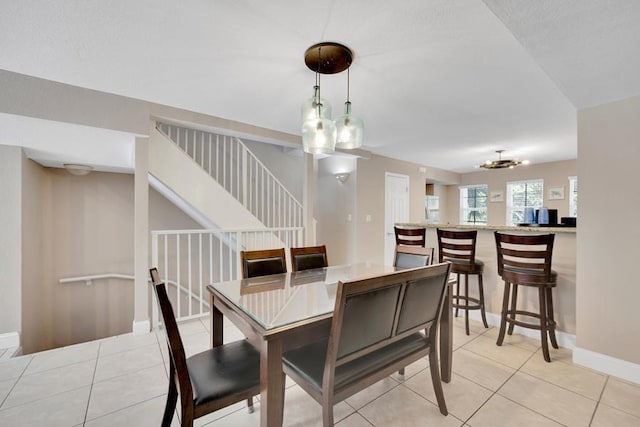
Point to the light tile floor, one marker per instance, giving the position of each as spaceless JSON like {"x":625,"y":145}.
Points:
{"x":122,"y":381}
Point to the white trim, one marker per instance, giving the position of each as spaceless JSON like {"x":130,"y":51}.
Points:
{"x":590,"y":359}
{"x":10,"y":339}
{"x":141,"y":328}
{"x":609,"y":365}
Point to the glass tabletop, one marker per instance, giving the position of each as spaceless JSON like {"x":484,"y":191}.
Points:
{"x":282,"y":299}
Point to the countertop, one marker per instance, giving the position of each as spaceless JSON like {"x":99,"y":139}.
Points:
{"x":570,"y":230}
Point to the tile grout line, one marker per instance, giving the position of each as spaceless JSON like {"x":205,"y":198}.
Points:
{"x":505,"y":397}
{"x":15,"y":384}
{"x":93,"y":378}
{"x":593,"y":415}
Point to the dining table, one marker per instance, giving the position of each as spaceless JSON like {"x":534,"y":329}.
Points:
{"x":284,"y":311}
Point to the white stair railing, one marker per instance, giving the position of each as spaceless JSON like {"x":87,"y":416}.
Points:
{"x":228,"y":160}
{"x":196,"y":258}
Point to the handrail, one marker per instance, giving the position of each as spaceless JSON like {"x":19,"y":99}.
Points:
{"x":228,"y":230}
{"x":89,"y":279}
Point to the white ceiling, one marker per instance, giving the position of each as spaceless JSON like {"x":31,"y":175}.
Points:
{"x":442,"y":83}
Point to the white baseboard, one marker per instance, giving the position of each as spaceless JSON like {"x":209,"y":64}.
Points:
{"x":609,"y":365}
{"x":599,"y":362}
{"x":141,"y":327}
{"x":10,"y":340}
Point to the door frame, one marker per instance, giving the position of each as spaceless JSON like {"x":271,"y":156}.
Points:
{"x":388,"y":247}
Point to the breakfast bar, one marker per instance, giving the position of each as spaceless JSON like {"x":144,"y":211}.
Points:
{"x":564,"y":263}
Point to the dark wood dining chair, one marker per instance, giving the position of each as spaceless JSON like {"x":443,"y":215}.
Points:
{"x":308,"y":257}
{"x":411,"y":236}
{"x":207,"y":381}
{"x":412,"y":256}
{"x":459,"y":248}
{"x":263,"y":262}
{"x":525,"y":260}
{"x":402,"y":313}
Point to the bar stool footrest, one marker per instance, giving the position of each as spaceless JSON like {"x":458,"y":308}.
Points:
{"x":467,"y":306}
{"x":537,"y":326}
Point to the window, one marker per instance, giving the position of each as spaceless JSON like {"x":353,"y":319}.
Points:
{"x":573,"y":196}
{"x":473,"y":204}
{"x":520,"y":195}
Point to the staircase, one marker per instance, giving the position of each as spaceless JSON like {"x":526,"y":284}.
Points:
{"x":231,"y":165}
{"x":222,"y":185}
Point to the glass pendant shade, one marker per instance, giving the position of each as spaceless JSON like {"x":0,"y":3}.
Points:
{"x":314,"y":106}
{"x":349,"y":129}
{"x":319,"y":136}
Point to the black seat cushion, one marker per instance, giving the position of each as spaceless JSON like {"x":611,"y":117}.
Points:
{"x":309,"y":360}
{"x":223,"y":371}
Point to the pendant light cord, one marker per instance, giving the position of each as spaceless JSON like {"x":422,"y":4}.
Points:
{"x":318,"y":81}
{"x":348,"y":80}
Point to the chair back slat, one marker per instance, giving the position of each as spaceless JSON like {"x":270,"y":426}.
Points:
{"x":377,"y":310}
{"x":412,"y":256}
{"x":263,"y":262}
{"x":410,"y":236}
{"x":174,"y":341}
{"x":308,"y":257}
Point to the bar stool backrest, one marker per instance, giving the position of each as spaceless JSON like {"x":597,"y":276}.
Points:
{"x":410,"y":236}
{"x":524,"y":258}
{"x":459,"y":247}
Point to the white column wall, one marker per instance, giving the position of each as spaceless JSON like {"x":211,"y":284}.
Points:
{"x":10,"y":245}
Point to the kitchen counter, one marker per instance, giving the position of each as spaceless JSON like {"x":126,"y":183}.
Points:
{"x":533,"y":228}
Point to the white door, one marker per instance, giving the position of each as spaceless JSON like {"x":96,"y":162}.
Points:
{"x":396,"y":202}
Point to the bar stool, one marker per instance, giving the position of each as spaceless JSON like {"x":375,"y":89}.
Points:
{"x":410,"y":236}
{"x":526,"y":260}
{"x":459,"y":247}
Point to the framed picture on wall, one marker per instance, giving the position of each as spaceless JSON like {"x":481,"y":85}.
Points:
{"x":496,"y":196}
{"x":556,"y":193}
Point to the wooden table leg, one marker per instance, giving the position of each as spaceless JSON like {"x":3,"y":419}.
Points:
{"x":217,"y":336}
{"x":271,"y":384}
{"x":446,"y":336}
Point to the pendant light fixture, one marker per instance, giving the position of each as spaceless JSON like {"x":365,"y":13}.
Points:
{"x":319,"y":132}
{"x":350,"y":129}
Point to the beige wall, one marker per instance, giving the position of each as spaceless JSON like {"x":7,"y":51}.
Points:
{"x":370,"y":189}
{"x":286,"y":165}
{"x":33,"y":97}
{"x":37,"y":257}
{"x":555,"y":174}
{"x":76,"y":226}
{"x":608,"y":320}
{"x":10,"y":238}
{"x":334,"y":202}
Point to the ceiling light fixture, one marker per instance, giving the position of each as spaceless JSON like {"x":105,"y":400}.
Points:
{"x":502,"y":163}
{"x":342,"y":177}
{"x":78,"y":170}
{"x":320,"y":135}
